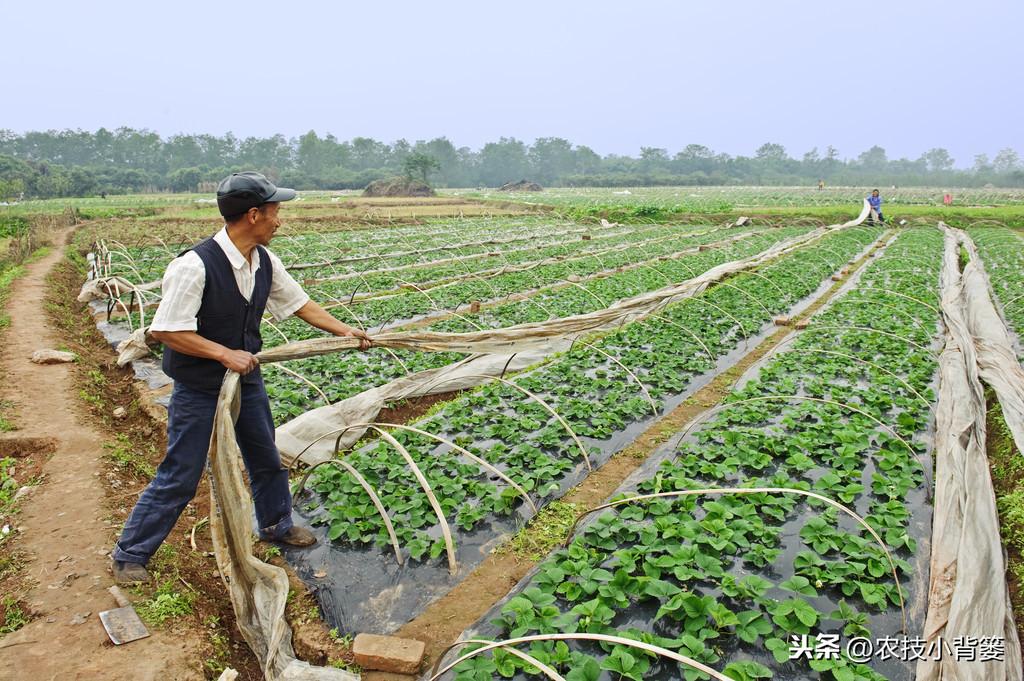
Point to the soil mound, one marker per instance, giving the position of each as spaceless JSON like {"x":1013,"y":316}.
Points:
{"x":398,"y":186}
{"x":520,"y":186}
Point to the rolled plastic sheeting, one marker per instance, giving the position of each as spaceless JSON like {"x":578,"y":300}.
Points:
{"x":258,"y":590}
{"x":997,"y":362}
{"x":968,"y":594}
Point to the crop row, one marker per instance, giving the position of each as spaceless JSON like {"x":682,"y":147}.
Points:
{"x":428,"y":276}
{"x":707,"y":199}
{"x":727,"y":579}
{"x":596,"y":395}
{"x":340,"y":377}
{"x":1002,"y":252}
{"x":409,"y":305}
{"x":354,"y":251}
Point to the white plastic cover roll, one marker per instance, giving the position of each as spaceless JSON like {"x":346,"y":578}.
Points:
{"x":968,"y":594}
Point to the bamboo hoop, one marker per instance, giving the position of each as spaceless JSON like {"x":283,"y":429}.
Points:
{"x":370,"y":491}
{"x":606,"y":638}
{"x":535,"y":398}
{"x":650,"y":400}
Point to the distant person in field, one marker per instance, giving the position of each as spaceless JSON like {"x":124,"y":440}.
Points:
{"x":821,"y":185}
{"x":214,"y":297}
{"x":875,"y":200}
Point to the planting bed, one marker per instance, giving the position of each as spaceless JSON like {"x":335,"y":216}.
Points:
{"x":1002,"y":253}
{"x":317,"y":254}
{"x":710,"y":199}
{"x":340,"y":377}
{"x":604,"y":402}
{"x":844,"y":412}
{"x":645,"y":265}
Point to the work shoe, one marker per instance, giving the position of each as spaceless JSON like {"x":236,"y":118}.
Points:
{"x":297,"y":536}
{"x":129,"y":573}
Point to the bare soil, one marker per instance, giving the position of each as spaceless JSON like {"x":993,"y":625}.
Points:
{"x":63,"y":534}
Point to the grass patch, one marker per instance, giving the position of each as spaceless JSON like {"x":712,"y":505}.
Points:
{"x":8,"y":273}
{"x":123,"y":454}
{"x":1008,"y":480}
{"x":14,"y":617}
{"x":8,"y":484}
{"x":220,"y":646}
{"x":5,"y":424}
{"x":546,"y":531}
{"x":165,"y":604}
{"x":10,"y":563}
{"x":39,"y":254}
{"x":345,"y":665}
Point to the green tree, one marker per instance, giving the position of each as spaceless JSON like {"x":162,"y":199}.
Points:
{"x":938,"y":160}
{"x":420,"y":165}
{"x":551,"y":158}
{"x":184,"y":179}
{"x":503,"y":161}
{"x":1006,"y":161}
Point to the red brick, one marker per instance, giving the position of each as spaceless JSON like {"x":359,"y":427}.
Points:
{"x":388,"y":653}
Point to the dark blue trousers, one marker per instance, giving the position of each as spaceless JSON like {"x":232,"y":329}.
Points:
{"x":189,"y":427}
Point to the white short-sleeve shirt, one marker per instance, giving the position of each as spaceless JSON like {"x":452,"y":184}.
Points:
{"x":185,"y":280}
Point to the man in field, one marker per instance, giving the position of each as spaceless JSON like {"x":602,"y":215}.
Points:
{"x":875,"y":201}
{"x":214,"y":296}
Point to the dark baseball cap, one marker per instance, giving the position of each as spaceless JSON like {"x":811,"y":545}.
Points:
{"x":239,"y":192}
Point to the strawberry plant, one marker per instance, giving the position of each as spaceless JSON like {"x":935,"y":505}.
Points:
{"x":715,"y":562}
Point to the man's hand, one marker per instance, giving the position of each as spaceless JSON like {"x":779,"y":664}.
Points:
{"x":239,"y":360}
{"x":364,"y":343}
{"x":314,"y":315}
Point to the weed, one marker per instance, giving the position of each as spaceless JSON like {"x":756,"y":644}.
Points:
{"x":345,"y":641}
{"x":165,"y":560}
{"x":271,"y":552}
{"x":39,"y":254}
{"x":544,"y":532}
{"x":220,"y":644}
{"x":1008,"y":480}
{"x":7,"y":277}
{"x":94,"y":400}
{"x":123,"y":454}
{"x":10,"y":564}
{"x":8,"y":483}
{"x":14,"y":617}
{"x":339,"y":663}
{"x":165,"y":604}
{"x":6,"y":425}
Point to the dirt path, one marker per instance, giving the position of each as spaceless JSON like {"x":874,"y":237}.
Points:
{"x":63,"y":524}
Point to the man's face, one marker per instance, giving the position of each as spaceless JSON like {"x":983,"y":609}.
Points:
{"x":266,"y":223}
{"x":874,"y":193}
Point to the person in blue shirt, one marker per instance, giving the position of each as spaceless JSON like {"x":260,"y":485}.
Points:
{"x":876,"y":204}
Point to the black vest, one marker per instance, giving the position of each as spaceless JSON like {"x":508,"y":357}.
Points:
{"x":224,"y":317}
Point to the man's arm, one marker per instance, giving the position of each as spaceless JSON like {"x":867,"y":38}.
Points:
{"x":191,"y":343}
{"x":314,"y":315}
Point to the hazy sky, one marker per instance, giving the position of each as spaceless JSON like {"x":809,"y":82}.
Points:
{"x":905,"y":74}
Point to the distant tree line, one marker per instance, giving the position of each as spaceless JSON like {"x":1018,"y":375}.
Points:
{"x":81,"y":163}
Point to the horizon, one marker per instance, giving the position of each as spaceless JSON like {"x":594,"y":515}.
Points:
{"x":791,"y":153}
